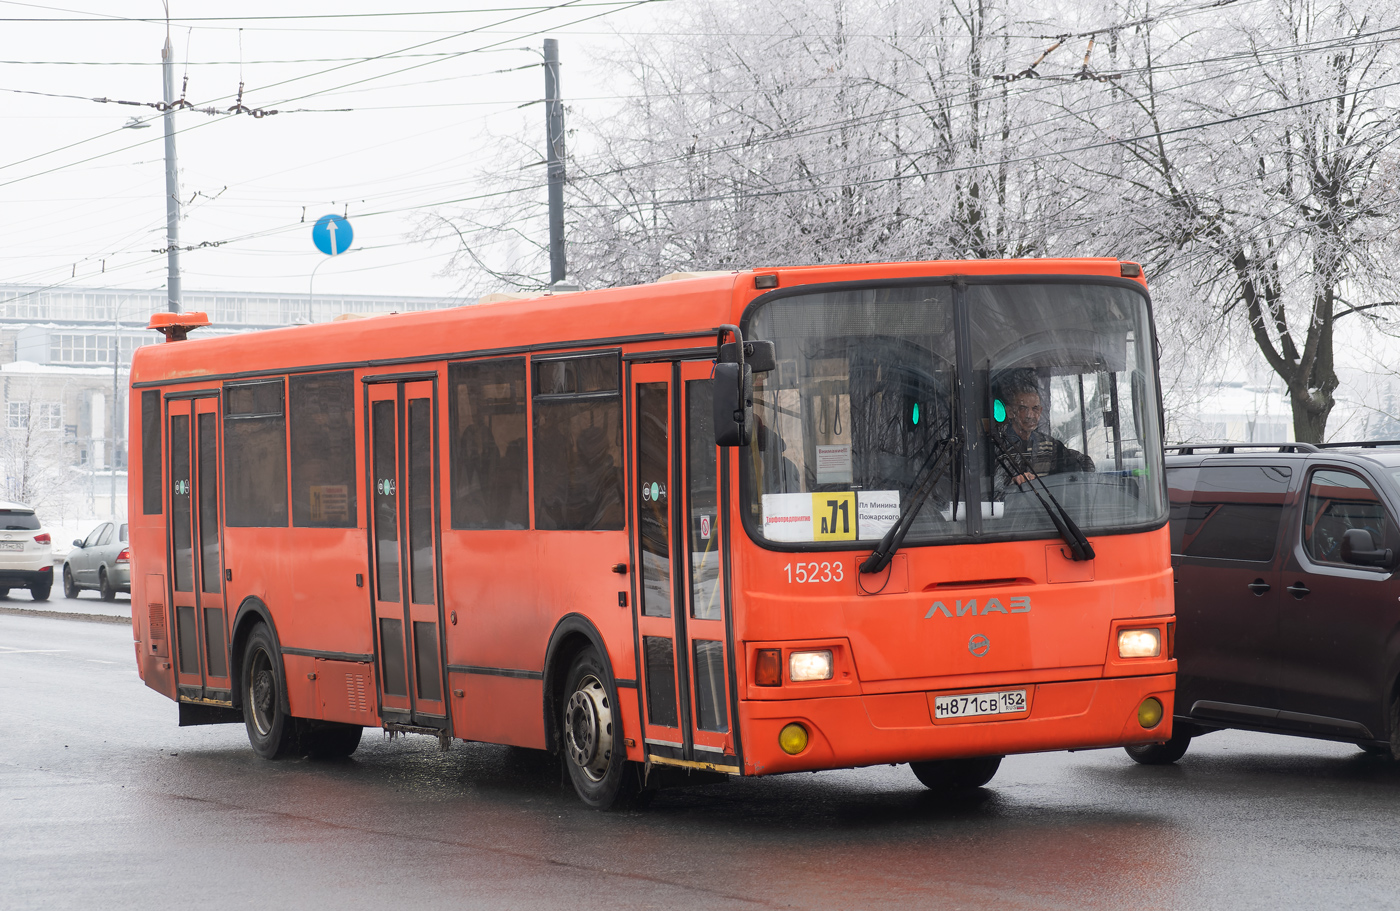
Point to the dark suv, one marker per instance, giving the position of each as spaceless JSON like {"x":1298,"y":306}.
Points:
{"x":1287,"y":592}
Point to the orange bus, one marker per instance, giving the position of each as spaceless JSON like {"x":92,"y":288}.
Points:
{"x":740,"y":523}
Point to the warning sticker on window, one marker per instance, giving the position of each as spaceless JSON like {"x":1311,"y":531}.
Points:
{"x":834,"y":464}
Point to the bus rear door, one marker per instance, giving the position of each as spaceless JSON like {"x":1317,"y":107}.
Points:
{"x":404,"y":567}
{"x":686,"y":690}
{"x":195,"y":546}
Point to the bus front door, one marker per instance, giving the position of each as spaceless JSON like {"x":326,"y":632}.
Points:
{"x":403,"y":564}
{"x":196,"y":551}
{"x":681,"y":612}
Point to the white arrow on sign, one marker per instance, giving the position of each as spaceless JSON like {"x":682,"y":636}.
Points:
{"x":330,"y":226}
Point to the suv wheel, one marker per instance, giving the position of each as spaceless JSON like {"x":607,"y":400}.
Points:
{"x":40,"y":592}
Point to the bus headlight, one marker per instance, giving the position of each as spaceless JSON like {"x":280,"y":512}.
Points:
{"x":1139,"y":643}
{"x":803,"y":666}
{"x":793,"y":738}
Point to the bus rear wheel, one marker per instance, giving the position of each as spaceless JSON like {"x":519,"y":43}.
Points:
{"x":330,"y":739}
{"x":591,"y":734}
{"x":271,"y":731}
{"x":956,"y":774}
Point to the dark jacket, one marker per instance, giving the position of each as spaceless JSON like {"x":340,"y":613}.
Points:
{"x":1042,"y":453}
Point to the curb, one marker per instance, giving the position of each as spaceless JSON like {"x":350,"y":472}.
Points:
{"x":64,"y":615}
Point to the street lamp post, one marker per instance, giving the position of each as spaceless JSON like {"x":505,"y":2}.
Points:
{"x":116,"y":367}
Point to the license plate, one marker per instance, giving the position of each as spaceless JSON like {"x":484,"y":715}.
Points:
{"x":1007,"y":702}
{"x":11,"y":545}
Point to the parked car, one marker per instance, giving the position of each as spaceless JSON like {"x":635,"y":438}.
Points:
{"x":101,"y":561}
{"x":26,"y":552}
{"x":1287,"y":593}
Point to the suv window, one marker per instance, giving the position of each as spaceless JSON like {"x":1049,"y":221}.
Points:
{"x":18,"y":520}
{"x":1233,"y":513}
{"x":1338,"y":501}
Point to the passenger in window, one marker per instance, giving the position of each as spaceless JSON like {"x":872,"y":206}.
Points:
{"x":1027,"y":444}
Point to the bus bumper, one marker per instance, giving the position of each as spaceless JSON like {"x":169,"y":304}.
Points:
{"x":847,"y":731}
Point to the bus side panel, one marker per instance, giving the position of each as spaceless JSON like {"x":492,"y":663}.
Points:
{"x":576,"y":577}
{"x":497,"y":709}
{"x":327,"y":611}
{"x":258,"y":564}
{"x":490,"y":583}
{"x":149,"y":610}
{"x":146,"y":537}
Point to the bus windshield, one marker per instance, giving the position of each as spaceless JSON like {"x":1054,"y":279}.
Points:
{"x":1049,"y":397}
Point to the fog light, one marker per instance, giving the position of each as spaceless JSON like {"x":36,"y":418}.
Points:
{"x":1139,"y":643}
{"x":793,"y":738}
{"x":809,"y":665}
{"x":1150,"y":712}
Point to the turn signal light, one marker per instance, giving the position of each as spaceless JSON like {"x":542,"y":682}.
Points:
{"x":1139,"y":643}
{"x":769,"y":667}
{"x":1171,"y":640}
{"x":1150,"y":712}
{"x":793,"y":738}
{"x":42,"y":539}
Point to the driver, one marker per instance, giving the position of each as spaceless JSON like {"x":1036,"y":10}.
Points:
{"x":1023,"y":439}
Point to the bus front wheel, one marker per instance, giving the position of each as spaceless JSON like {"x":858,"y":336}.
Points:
{"x":271,"y":731}
{"x":1162,"y":753}
{"x":591,"y":733}
{"x":956,"y":774}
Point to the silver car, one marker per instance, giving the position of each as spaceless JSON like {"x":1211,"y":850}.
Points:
{"x":101,"y":561}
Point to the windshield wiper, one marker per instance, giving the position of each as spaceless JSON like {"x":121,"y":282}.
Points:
{"x":1015,"y":465}
{"x":929,"y":476}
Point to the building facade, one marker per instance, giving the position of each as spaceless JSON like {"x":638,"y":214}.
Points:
{"x":64,"y":359}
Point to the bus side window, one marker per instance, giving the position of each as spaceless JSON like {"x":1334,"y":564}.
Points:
{"x":255,"y":455}
{"x":322,"y":410}
{"x":152,"y":491}
{"x":487,"y":417}
{"x":578,"y":443}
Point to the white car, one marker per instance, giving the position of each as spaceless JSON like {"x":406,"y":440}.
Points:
{"x":26,"y":552}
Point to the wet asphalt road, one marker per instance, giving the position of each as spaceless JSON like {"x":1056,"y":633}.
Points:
{"x":106,"y":803}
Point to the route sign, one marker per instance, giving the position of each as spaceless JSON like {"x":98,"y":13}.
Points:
{"x":332,"y":234}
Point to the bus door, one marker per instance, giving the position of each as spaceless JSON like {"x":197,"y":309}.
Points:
{"x":196,"y":551}
{"x":681,"y":614}
{"x":403,"y":564}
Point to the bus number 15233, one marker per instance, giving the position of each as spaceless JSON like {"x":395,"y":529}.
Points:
{"x":814,"y":572}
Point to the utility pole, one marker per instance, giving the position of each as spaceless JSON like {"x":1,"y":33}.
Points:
{"x":172,"y":187}
{"x":554,"y":159}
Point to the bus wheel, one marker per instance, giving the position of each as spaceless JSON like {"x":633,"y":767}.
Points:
{"x":331,"y":739}
{"x":592,"y":733}
{"x":270,"y":730}
{"x":956,"y":774}
{"x":1161,"y":753}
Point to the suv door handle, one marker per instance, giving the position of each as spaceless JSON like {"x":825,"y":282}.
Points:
{"x":1298,"y":590}
{"x":1259,"y":586}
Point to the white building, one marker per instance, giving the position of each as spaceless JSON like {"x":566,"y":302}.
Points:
{"x":64,"y":359}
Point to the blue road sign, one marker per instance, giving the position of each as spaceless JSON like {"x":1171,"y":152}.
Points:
{"x":332,"y":235}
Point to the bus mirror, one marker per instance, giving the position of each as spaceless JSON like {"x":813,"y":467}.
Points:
{"x":758,"y":355}
{"x":733,"y":403}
